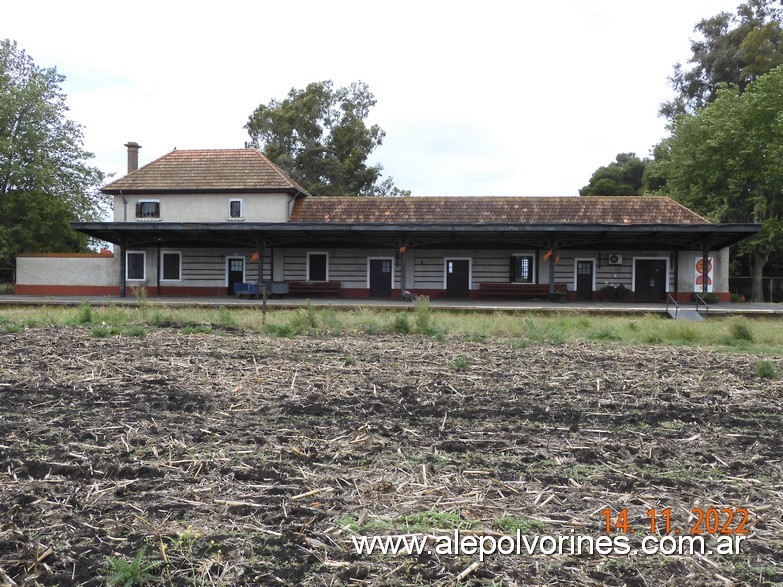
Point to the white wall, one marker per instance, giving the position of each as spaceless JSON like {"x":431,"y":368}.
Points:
{"x":97,"y":270}
{"x":206,"y":207}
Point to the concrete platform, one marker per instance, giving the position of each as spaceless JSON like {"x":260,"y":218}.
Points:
{"x":603,"y":308}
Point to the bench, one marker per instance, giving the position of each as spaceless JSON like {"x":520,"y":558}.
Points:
{"x":315,"y":288}
{"x":517,"y":291}
{"x":250,"y":289}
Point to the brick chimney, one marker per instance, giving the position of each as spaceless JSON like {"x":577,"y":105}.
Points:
{"x":133,"y":155}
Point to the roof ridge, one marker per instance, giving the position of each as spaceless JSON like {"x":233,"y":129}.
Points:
{"x":283,"y":175}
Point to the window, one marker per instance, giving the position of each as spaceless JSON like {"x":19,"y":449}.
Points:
{"x":136,"y":265}
{"x":171,"y":265}
{"x":148,"y":209}
{"x":317,"y":267}
{"x":522,"y":270}
{"x":235,"y":208}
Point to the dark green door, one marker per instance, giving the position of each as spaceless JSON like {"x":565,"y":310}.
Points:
{"x":457,"y":278}
{"x":650,"y":280}
{"x":380,"y":278}
{"x":236,"y":273}
{"x":584,"y":280}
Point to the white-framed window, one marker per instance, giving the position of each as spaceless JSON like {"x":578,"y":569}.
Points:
{"x":317,"y":266}
{"x":523,"y":268}
{"x":171,"y":265}
{"x":148,"y":209}
{"x":136,"y":265}
{"x":235,"y":209}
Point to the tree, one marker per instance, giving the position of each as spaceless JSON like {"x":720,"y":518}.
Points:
{"x":622,"y":177}
{"x":732,"y":49}
{"x":45,"y":181}
{"x":726,"y":162}
{"x":319,"y":137}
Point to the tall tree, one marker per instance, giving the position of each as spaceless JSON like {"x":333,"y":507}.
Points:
{"x":45,"y":181}
{"x":622,"y":177}
{"x":320,"y":138}
{"x":731,"y":49}
{"x":725,"y":162}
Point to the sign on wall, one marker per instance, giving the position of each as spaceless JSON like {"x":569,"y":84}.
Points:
{"x":700,"y":275}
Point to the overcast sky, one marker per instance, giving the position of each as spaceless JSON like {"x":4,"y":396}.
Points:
{"x":476,"y":98}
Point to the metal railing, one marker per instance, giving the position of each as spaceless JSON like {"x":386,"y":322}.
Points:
{"x":699,"y":301}
{"x":670,"y":299}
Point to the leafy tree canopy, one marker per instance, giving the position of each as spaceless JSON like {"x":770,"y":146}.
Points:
{"x":320,"y":138}
{"x":731,"y":49}
{"x":45,"y":181}
{"x":725,"y":162}
{"x":622,"y":177}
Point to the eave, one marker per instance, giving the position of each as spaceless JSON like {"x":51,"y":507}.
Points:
{"x":573,"y":236}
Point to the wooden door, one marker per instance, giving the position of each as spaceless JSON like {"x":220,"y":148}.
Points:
{"x":236,"y":273}
{"x":457,"y":278}
{"x":650,"y":280}
{"x":584,"y":280}
{"x":380,"y":278}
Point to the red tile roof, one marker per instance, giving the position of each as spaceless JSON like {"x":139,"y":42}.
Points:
{"x":207,"y":170}
{"x":492,"y":210}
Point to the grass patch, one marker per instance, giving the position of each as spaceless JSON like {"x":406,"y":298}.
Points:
{"x":135,"y":330}
{"x":85,"y":313}
{"x":752,"y":335}
{"x":740,"y":330}
{"x":401,"y":324}
{"x":105,"y":330}
{"x":510,"y":525}
{"x":766,"y":370}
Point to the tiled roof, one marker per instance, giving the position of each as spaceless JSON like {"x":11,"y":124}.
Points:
{"x":206,"y":170}
{"x":492,"y":210}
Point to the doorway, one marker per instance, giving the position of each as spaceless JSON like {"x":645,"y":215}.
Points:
{"x":584,"y":279}
{"x":650,"y":280}
{"x":457,"y":278}
{"x":235,"y":270}
{"x":380,"y":273}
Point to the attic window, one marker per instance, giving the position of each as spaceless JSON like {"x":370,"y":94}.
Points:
{"x":235,"y":209}
{"x":148,"y":209}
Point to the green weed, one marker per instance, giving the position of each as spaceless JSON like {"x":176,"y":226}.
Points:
{"x":422,"y":315}
{"x":85,"y":313}
{"x":104,"y":330}
{"x":766,"y":370}
{"x":136,"y":330}
{"x":511,"y":525}
{"x":741,"y":331}
{"x":199,"y":329}
{"x":400,"y":324}
{"x":461,"y":364}
{"x":129,"y":573}
{"x":225,"y":318}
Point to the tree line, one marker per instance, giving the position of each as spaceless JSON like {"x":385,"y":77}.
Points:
{"x":723,"y":157}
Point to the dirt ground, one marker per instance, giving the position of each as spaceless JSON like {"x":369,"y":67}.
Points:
{"x":239,"y":459}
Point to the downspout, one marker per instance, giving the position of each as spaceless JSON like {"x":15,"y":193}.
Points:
{"x":124,"y":208}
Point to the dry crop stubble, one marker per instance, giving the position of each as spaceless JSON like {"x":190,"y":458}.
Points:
{"x":270,"y":453}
